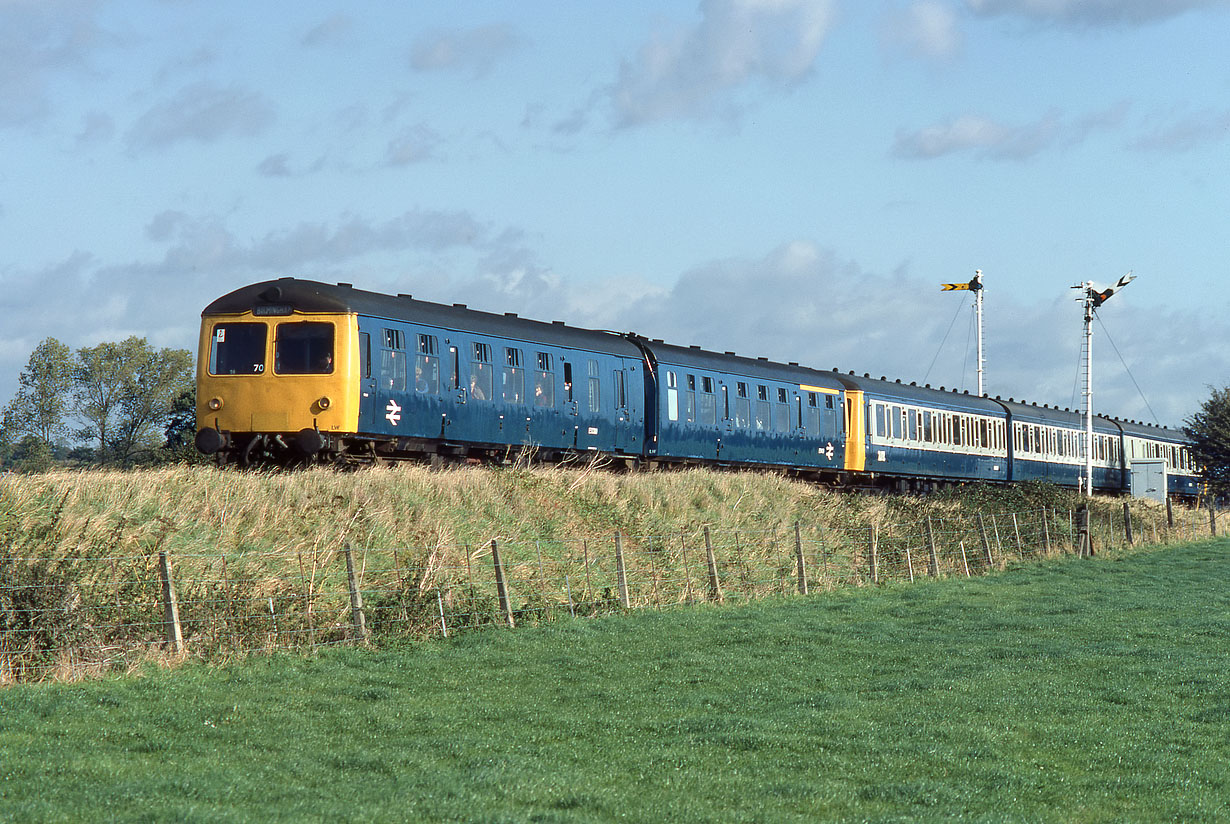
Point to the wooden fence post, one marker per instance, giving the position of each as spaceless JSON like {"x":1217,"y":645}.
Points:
{"x":1169,"y":513}
{"x":1127,"y":524}
{"x":909,"y":562}
{"x":798,"y":551}
{"x":1016,"y":528}
{"x":1084,"y":539}
{"x":501,"y":586}
{"x":1046,"y":531}
{"x":934,"y":559}
{"x":874,"y":548}
{"x":440,"y":604}
{"x":621,"y":574}
{"x":687,"y":570}
{"x":986,"y":541}
{"x":715,"y":586}
{"x":964,"y":560}
{"x":1212,"y":518}
{"x":170,"y":606}
{"x":358,"y":620}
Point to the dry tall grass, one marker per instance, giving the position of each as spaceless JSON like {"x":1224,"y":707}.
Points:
{"x":257,"y":554}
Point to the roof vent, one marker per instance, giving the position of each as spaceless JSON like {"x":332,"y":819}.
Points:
{"x":913,"y":383}
{"x":730,"y":353}
{"x":865,"y":374}
{"x":763,"y":359}
{"x":273,"y":293}
{"x":794,"y":363}
{"x":693,"y":346}
{"x":459,"y":306}
{"x":557,"y":323}
{"x":510,"y":314}
{"x":346,"y":285}
{"x":404,"y":295}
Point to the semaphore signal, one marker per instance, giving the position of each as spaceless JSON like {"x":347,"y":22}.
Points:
{"x":1093,"y":298}
{"x":975,"y":286}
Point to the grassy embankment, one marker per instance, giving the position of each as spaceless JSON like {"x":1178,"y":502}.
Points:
{"x":1074,"y":690}
{"x":258,"y":555}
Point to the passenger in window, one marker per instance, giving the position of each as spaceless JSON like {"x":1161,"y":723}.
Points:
{"x":420,"y":383}
{"x":326,"y":364}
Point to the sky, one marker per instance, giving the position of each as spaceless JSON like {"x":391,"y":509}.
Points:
{"x":791,"y":179}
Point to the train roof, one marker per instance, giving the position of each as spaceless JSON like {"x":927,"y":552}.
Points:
{"x":694,"y":356}
{"x":925,"y":395}
{"x":315,"y":297}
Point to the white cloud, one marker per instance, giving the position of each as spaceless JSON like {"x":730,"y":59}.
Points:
{"x":926,"y":28}
{"x":474,"y":50}
{"x":203,"y":113}
{"x":1092,"y":12}
{"x":1190,"y":132}
{"x":40,"y":39}
{"x":413,"y":144}
{"x":999,"y":141}
{"x":334,"y":31}
{"x":692,"y":73}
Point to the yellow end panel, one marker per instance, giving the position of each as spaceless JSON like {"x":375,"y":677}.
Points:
{"x":269,"y":402}
{"x":856,"y":432}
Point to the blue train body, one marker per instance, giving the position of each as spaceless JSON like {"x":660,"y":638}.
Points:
{"x":399,"y":377}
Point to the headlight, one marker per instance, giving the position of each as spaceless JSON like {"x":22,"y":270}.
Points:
{"x":214,"y":404}
{"x":324,"y":403}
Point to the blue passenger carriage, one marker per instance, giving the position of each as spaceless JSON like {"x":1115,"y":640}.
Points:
{"x":725,"y":409}
{"x":919,"y":435}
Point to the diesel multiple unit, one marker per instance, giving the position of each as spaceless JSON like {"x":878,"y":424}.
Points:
{"x":295,"y":371}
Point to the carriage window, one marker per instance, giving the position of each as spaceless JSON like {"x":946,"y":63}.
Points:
{"x":762,"y":393}
{"x":672,"y":396}
{"x":427,"y":374}
{"x":762,"y":416}
{"x":392,"y":370}
{"x":781,"y":396}
{"x":544,"y":382}
{"x":567,"y":381}
{"x":237,"y":349}
{"x":514,"y":376}
{"x":394,"y":339}
{"x":689,"y":400}
{"x":481,"y":373}
{"x":621,"y":392}
{"x":781,"y":413}
{"x":427,"y":366}
{"x":743,"y":407}
{"x":595,"y":387}
{"x":303,"y":349}
{"x":365,"y":354}
{"x":707,"y":413}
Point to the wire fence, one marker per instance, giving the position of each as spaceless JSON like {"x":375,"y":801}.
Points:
{"x":81,"y":616}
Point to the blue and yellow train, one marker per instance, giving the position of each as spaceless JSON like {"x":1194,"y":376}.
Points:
{"x":294,"y":371}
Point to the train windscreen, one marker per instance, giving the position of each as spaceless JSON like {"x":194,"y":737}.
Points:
{"x":237,"y":349}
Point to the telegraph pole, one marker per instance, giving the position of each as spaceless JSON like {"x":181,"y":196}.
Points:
{"x":974,"y":286}
{"x":1093,"y":298}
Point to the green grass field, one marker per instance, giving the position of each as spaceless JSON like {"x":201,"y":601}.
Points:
{"x":1071,"y":690}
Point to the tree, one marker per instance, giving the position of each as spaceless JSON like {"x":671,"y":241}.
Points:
{"x":1209,"y":433}
{"x":127,"y":393}
{"x":40,"y":406}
